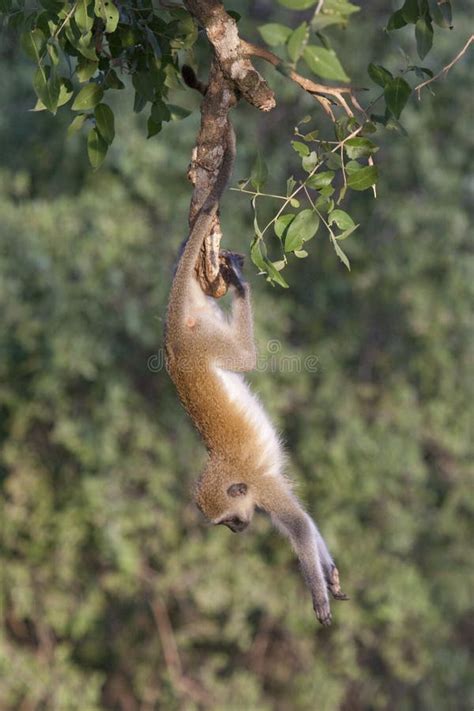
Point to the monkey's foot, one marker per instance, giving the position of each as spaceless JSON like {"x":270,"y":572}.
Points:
{"x":335,"y":586}
{"x":323,"y":613}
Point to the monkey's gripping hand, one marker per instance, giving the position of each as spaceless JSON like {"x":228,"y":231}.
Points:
{"x":231,"y":270}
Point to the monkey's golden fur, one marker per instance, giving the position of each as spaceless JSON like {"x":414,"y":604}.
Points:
{"x":206,"y":354}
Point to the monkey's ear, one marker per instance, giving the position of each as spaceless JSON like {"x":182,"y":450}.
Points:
{"x":235,"y":490}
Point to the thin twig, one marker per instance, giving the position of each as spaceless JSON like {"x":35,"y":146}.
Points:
{"x":303,"y":185}
{"x":183,"y":685}
{"x":66,"y":20}
{"x":445,"y":69}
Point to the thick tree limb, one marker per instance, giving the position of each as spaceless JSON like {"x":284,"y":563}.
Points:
{"x":208,"y":154}
{"x":221,"y":30}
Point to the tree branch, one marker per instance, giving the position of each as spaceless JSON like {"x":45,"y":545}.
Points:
{"x":183,"y":685}
{"x":445,"y":69}
{"x":319,"y":91}
{"x":220,"y":96}
{"x":221,"y":30}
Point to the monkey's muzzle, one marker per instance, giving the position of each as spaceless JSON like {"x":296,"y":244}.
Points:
{"x":236,"y":525}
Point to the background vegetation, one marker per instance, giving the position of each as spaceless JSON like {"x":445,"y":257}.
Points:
{"x":114,"y":594}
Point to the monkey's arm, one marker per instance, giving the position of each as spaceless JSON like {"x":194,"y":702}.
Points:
{"x":230,"y":345}
{"x":241,"y":328}
{"x":289,"y":517}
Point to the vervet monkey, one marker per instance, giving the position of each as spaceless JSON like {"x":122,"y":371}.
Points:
{"x":206,"y":353}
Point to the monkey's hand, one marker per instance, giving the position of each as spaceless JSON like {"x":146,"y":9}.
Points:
{"x":323,"y":611}
{"x":231,"y":270}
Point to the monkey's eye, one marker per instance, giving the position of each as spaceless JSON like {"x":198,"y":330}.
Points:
{"x":235,"y":490}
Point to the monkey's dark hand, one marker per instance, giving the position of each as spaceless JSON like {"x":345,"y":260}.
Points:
{"x":231,"y":270}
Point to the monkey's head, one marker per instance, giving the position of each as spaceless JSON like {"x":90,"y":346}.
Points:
{"x":226,"y":501}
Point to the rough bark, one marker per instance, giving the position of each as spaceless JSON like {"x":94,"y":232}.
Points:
{"x":231,"y":76}
{"x":222,"y":33}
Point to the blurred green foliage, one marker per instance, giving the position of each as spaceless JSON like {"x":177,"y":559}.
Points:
{"x":114,"y":593}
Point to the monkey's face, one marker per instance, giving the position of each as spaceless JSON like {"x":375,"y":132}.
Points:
{"x":235,"y":523}
{"x":230,"y":505}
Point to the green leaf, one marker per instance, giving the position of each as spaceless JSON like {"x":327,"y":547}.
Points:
{"x":324,"y":63}
{"x":178,"y":113}
{"x":76,"y":124}
{"x":441,"y":13}
{"x":342,"y":256}
{"x":53,"y":53}
{"x":256,"y":254}
{"x":294,"y":202}
{"x":53,"y":6}
{"x":396,"y":94}
{"x":96,"y":148}
{"x":410,"y":11}
{"x":33,"y":44}
{"x":346,"y":233}
{"x":47,"y":87}
{"x":297,"y":42}
{"x":144,"y":85}
{"x":309,"y":162}
{"x":160,"y":112}
{"x":396,"y":21}
{"x":363,"y":178}
{"x":290,"y":185}
{"x":358,"y":147}
{"x":300,"y":253}
{"x":83,"y":20}
{"x":424,"y":37}
{"x":321,"y":180}
{"x":112,"y":81}
{"x":282,"y":222}
{"x":65,"y":93}
{"x":105,"y":122}
{"x":153,"y":127}
{"x":274,"y":274}
{"x":379,"y":74}
{"x":298,"y":4}
{"x":259,"y":172}
{"x":85,"y":69}
{"x":352,"y":167}
{"x":274,"y":34}
{"x":342,"y":219}
{"x":301,"y":148}
{"x":108,"y":12}
{"x":88,"y":98}
{"x":84,"y":43}
{"x":312,"y":136}
{"x":320,"y":21}
{"x":139,"y":103}
{"x":301,"y":229}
